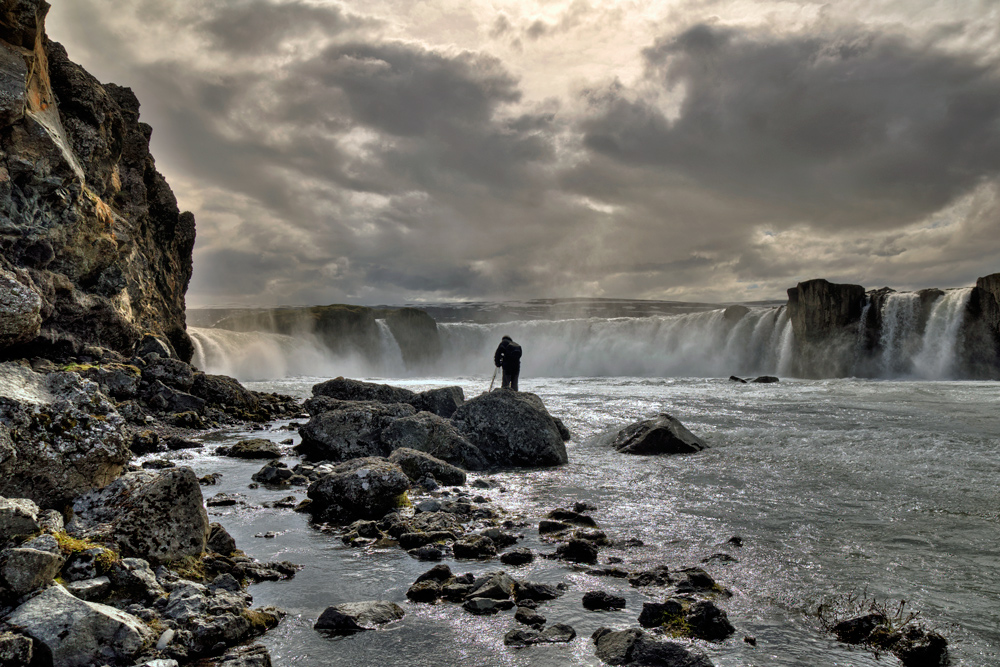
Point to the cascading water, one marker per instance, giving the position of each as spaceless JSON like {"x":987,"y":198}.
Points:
{"x":705,"y":344}
{"x":900,"y":334}
{"x":258,"y":355}
{"x":390,"y":361}
{"x":938,"y":354}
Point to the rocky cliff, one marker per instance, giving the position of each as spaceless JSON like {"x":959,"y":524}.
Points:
{"x":94,"y":248}
{"x":840,"y":330}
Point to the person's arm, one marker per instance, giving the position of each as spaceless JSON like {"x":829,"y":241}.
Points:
{"x":498,"y":356}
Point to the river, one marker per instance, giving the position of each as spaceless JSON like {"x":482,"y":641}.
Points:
{"x":833,"y":485}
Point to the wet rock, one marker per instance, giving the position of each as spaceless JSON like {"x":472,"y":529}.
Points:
{"x":417,"y":464}
{"x":765,"y":379}
{"x":427,"y":553}
{"x":357,"y":616}
{"x":436,"y":436}
{"x":274,"y":473}
{"x":134,"y":578}
{"x":18,"y":516}
{"x":614,"y":572}
{"x":657,"y":576}
{"x":572,"y":517}
{"x":857,"y":630}
{"x":557,"y":633}
{"x":548,"y":527}
{"x":158,"y":517}
{"x":537,"y":591}
{"x":519,"y":556}
{"x":438,"y":573}
{"x":661,"y":435}
{"x":634,"y":647}
{"x":720,"y":559}
{"x":351,"y":430}
{"x":486,"y":606}
{"x":442,"y":402}
{"x":176,"y":443}
{"x":77,"y":633}
{"x":918,"y":647}
{"x":501,"y":538}
{"x":577,"y":551}
{"x":70,"y":437}
{"x":495,"y":585}
{"x":225,"y":500}
{"x":529,"y":616}
{"x":733,"y":378}
{"x":683,"y":617}
{"x":417,"y":540}
{"x":697,"y":580}
{"x":474,"y":547}
{"x":254,"y":448}
{"x":224,"y":392}
{"x":601,"y":600}
{"x":424,"y":591}
{"x":365,"y":488}
{"x":25,"y":570}
{"x":511,"y":429}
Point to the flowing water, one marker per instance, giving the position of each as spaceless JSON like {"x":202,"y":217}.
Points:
{"x":833,"y":485}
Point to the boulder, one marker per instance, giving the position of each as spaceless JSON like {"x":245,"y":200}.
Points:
{"x":254,"y":448}
{"x":219,"y":540}
{"x":519,"y":556}
{"x":557,"y":633}
{"x":255,"y":655}
{"x":25,"y":570}
{"x":358,"y":616}
{"x":684,"y":617}
{"x":511,"y":428}
{"x":365,"y":488}
{"x":435,"y":435}
{"x":77,"y":633}
{"x":765,"y":379}
{"x":529,"y":616}
{"x":156,"y":516}
{"x":577,"y":551}
{"x":635,"y":647}
{"x":660,"y":435}
{"x":351,"y":431}
{"x":224,"y":392}
{"x":18,"y":516}
{"x":601,"y":600}
{"x":442,"y":401}
{"x":171,"y":372}
{"x":486,"y":606}
{"x":20,"y":306}
{"x":356,"y":390}
{"x":70,"y":438}
{"x":418,"y":464}
{"x":474,"y":547}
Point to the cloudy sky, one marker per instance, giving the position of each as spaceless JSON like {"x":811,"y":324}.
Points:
{"x":386,"y":151}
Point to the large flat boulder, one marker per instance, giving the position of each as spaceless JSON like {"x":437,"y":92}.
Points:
{"x":353,"y":617}
{"x":159,"y":517}
{"x":662,"y":434}
{"x":60,"y":438}
{"x":350,"y":429}
{"x":78,"y":633}
{"x":417,"y":464}
{"x":365,"y":488}
{"x":511,"y":429}
{"x":437,"y":436}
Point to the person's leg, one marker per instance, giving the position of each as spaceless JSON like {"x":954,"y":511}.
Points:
{"x":513,"y":379}
{"x":505,"y":381}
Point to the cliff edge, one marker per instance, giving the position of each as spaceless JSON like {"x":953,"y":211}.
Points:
{"x":93,"y":248}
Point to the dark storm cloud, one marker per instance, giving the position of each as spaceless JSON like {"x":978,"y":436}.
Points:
{"x":849,"y":129}
{"x":258,"y":26}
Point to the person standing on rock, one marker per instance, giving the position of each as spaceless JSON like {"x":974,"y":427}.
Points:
{"x":508,"y":357}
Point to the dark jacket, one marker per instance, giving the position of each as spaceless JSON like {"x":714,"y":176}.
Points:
{"x":508,"y":355}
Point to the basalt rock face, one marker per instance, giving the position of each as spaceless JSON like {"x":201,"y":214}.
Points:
{"x":824,"y":319}
{"x":94,"y":248}
{"x":981,"y":333}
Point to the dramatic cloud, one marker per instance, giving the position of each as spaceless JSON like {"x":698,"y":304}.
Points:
{"x":391,"y":151}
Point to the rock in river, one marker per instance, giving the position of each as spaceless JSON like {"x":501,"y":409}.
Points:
{"x":357,"y":616}
{"x":661,"y":435}
{"x":511,"y":428}
{"x":365,"y":488}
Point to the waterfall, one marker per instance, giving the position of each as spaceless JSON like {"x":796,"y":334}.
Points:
{"x":938,"y":354}
{"x":900,"y":333}
{"x":704,"y":344}
{"x":391,"y":362}
{"x":262,"y":356}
